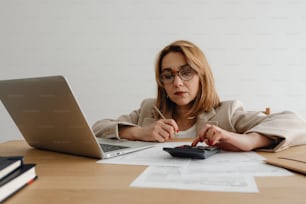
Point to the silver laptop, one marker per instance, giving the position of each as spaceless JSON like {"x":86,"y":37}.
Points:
{"x":49,"y":117}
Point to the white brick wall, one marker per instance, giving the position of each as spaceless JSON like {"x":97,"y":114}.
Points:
{"x":107,"y":48}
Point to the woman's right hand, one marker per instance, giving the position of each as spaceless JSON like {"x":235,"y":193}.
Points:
{"x":160,"y":131}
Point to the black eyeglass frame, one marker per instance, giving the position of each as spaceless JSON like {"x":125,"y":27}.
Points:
{"x":190,"y":72}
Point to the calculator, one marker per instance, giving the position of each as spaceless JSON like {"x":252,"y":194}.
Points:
{"x":187,"y":151}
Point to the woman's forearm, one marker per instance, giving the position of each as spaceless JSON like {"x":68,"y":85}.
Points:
{"x":250,"y":141}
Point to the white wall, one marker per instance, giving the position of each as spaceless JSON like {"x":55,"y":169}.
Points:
{"x":107,"y":48}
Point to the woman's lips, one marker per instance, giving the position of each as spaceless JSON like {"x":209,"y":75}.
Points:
{"x":179,"y":93}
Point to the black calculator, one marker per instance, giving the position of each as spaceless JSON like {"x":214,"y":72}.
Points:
{"x":187,"y":151}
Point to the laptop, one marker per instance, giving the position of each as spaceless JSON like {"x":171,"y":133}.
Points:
{"x":48,"y":116}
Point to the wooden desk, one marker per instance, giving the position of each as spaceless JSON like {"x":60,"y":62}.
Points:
{"x":67,"y":179}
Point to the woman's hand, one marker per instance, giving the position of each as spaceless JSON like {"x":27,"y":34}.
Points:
{"x":160,"y":131}
{"x":215,"y":136}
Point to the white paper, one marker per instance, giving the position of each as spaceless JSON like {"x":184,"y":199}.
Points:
{"x":242,"y":163}
{"x":225,"y":171}
{"x":172,"y":177}
{"x":150,"y":157}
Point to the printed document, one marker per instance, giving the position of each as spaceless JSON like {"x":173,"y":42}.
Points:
{"x":174,"y":178}
{"x":225,"y":171}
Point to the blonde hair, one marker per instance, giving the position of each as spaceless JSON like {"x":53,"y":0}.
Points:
{"x":207,"y":98}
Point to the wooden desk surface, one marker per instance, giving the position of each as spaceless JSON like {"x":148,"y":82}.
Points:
{"x":67,"y":179}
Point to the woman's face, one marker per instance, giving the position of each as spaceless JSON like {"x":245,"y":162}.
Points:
{"x":179,"y":91}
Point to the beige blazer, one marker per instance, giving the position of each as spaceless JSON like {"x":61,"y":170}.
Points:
{"x":287,"y":128}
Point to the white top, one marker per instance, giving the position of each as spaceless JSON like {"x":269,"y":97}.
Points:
{"x":189,"y":133}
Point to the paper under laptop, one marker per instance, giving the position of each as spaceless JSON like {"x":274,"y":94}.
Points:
{"x":48,"y":116}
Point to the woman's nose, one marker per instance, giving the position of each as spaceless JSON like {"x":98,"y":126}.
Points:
{"x":177,"y":80}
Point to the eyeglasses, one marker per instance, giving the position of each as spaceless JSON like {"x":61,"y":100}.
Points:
{"x":185,"y":73}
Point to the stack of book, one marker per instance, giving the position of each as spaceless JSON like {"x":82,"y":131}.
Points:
{"x":14,"y":175}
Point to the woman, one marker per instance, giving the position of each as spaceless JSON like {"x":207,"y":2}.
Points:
{"x":190,"y":107}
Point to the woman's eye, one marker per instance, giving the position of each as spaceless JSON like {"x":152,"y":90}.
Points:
{"x":168,"y":76}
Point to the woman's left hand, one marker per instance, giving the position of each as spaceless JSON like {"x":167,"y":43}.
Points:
{"x":213,"y":135}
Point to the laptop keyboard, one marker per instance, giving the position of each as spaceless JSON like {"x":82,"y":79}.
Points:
{"x":109,"y":147}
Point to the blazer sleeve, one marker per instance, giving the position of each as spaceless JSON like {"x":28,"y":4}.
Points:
{"x":109,"y":128}
{"x":285,"y":128}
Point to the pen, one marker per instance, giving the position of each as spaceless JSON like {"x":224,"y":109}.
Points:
{"x":160,"y":114}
